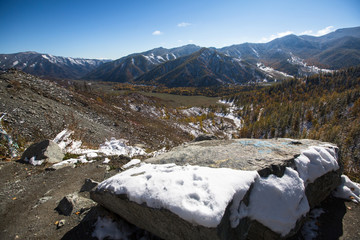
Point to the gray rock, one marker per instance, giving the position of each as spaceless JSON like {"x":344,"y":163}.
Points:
{"x":46,"y":150}
{"x":74,"y":203}
{"x":204,"y":137}
{"x":268,"y":156}
{"x":264,"y":156}
{"x":88,"y":185}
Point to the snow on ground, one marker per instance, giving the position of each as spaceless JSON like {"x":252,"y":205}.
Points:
{"x":107,"y":228}
{"x":193,"y":193}
{"x":193,"y":111}
{"x":348,"y":190}
{"x":33,"y":161}
{"x":232,"y":108}
{"x":158,"y":152}
{"x":307,"y":68}
{"x":72,"y":162}
{"x":133,"y":162}
{"x":272,"y":71}
{"x":119,"y":147}
{"x":310,"y":228}
{"x":65,"y":142}
{"x":108,"y":148}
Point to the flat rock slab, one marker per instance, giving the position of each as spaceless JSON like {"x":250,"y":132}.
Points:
{"x":241,"y":154}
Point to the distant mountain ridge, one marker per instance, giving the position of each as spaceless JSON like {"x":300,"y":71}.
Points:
{"x":130,"y":67}
{"x":49,"y":66}
{"x":256,"y":62}
{"x":205,"y":67}
{"x":245,"y":63}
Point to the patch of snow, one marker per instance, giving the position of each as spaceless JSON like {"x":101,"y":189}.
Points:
{"x":33,"y":65}
{"x":256,"y":53}
{"x":15,"y":63}
{"x":310,"y":228}
{"x":173,"y":55}
{"x":91,"y":154}
{"x":315,"y":162}
{"x":158,"y":152}
{"x":193,"y":193}
{"x":192,"y":111}
{"x":160,"y":58}
{"x":106,"y":228}
{"x":72,"y":161}
{"x":133,"y":107}
{"x":151,"y":58}
{"x":108,"y":148}
{"x":131,"y":163}
{"x":230,"y":115}
{"x":231,"y":104}
{"x":285,"y":195}
{"x":66,"y":143}
{"x":33,"y":161}
{"x":119,"y":147}
{"x":106,"y":161}
{"x":307,"y":68}
{"x":272,"y":71}
{"x":348,"y":190}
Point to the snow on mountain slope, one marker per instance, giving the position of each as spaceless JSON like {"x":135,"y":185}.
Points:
{"x":272,"y":73}
{"x":46,"y":65}
{"x":304,"y":68}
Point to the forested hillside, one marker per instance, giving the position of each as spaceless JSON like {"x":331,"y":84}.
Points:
{"x":324,"y":107}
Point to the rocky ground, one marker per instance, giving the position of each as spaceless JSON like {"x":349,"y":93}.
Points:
{"x":38,"y":109}
{"x":30,"y":195}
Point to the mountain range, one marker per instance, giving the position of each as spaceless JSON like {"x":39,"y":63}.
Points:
{"x":191,"y":65}
{"x":49,"y":66}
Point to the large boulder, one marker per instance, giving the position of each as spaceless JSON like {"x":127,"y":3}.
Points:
{"x":225,"y":189}
{"x":46,"y":150}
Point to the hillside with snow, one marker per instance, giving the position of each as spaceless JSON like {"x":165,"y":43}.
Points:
{"x":49,"y":66}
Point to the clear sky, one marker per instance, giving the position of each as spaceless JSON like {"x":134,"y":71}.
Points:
{"x":112,"y":29}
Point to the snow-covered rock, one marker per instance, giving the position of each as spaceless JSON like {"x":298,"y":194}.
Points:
{"x":244,"y":188}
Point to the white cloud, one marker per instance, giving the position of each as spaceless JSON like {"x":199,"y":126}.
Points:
{"x":184,"y":24}
{"x":318,"y":33}
{"x":157,"y":32}
{"x":274,"y":36}
{"x":325,"y":31}
{"x":321,"y":32}
{"x":307,"y":32}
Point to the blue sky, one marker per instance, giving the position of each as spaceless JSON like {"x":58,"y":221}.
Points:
{"x":112,"y":29}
